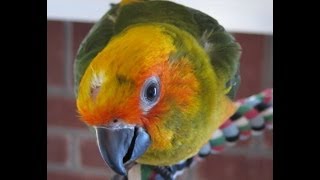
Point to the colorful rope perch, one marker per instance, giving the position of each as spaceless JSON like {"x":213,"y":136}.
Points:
{"x":254,"y":114}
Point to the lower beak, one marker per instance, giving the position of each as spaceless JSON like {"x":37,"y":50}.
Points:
{"x":121,"y":145}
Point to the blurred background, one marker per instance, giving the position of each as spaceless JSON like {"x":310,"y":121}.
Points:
{"x":72,"y":153}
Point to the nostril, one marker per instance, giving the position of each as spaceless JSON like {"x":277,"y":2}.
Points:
{"x":115,"y":122}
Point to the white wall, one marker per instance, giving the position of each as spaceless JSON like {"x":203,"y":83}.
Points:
{"x":247,"y":16}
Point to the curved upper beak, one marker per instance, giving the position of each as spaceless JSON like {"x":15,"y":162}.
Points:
{"x":122,"y":144}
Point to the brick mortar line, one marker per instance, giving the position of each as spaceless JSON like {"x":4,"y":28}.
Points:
{"x":256,"y":143}
{"x":77,"y":154}
{"x":55,"y":91}
{"x":53,"y":167}
{"x":248,"y":152}
{"x":79,"y":133}
{"x":68,"y":66}
{"x":256,"y":148}
{"x":72,"y":151}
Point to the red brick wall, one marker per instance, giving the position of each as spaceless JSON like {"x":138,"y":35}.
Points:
{"x":71,"y":149}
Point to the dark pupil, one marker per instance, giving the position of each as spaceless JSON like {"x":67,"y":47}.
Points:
{"x":151,"y":92}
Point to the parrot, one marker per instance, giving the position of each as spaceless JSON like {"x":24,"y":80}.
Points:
{"x":153,"y":80}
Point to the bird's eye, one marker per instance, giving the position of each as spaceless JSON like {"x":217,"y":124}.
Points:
{"x":150,"y":93}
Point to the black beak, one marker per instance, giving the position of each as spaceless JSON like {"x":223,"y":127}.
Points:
{"x":122,"y":144}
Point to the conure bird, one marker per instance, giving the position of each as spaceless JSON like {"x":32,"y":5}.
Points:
{"x":154,"y":80}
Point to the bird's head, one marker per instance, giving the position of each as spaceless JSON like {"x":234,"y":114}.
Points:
{"x":150,"y":95}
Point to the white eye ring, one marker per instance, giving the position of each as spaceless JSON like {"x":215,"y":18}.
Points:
{"x":150,"y":93}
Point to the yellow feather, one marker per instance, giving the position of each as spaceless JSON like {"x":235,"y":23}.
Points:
{"x":125,"y":2}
